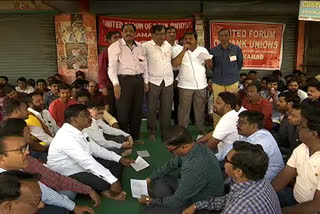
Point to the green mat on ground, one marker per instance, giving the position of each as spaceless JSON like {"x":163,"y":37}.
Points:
{"x":158,"y":156}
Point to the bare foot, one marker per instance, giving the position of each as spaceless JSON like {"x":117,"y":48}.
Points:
{"x":126,"y":152}
{"x":152,"y":137}
{"x":121,"y":197}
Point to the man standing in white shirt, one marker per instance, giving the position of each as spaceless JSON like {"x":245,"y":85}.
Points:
{"x":158,"y":54}
{"x":171,"y":33}
{"x":225,"y":132}
{"x":303,"y":167}
{"x":128,"y":74}
{"x":73,"y":153}
{"x":192,"y":80}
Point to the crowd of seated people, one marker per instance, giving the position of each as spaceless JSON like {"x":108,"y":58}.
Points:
{"x":261,"y":157}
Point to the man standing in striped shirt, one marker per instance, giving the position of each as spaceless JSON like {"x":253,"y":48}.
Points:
{"x":250,"y":193}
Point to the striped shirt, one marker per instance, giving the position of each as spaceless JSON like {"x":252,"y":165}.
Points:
{"x":252,"y":197}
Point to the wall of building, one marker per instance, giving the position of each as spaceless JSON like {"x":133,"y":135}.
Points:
{"x":76,"y":38}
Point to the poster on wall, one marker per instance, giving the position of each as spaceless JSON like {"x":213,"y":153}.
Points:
{"x":309,"y":11}
{"x":76,"y":45}
{"x":261,"y":43}
{"x":143,"y":33}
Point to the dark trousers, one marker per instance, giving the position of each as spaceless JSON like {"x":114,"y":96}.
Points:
{"x":115,"y":138}
{"x":286,"y":198}
{"x":129,"y":105}
{"x":175,"y":97}
{"x":164,"y":95}
{"x":110,"y":101}
{"x":97,"y":183}
{"x":49,"y":209}
{"x":164,"y":187}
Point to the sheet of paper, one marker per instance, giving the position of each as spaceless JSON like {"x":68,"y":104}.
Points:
{"x":204,"y":56}
{"x":143,"y":154}
{"x":138,"y":188}
{"x":139,"y":164}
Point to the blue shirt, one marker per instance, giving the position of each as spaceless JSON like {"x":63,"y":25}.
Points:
{"x":226,"y":71}
{"x":270,"y":147}
{"x":252,"y":197}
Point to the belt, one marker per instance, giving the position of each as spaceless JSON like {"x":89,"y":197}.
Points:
{"x":127,"y":75}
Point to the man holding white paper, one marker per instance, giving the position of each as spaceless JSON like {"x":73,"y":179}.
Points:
{"x":200,"y":175}
{"x":192,"y":80}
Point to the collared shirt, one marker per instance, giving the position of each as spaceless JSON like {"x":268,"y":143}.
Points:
{"x":255,"y":197}
{"x":48,"y":98}
{"x":71,"y":151}
{"x":264,"y":106}
{"x":53,"y":179}
{"x":226,"y":131}
{"x":275,"y":112}
{"x":27,"y":90}
{"x":51,"y":197}
{"x":36,"y":127}
{"x":103,"y":77}
{"x":270,"y":147}
{"x":301,"y":94}
{"x":57,"y":109}
{"x":159,"y":62}
{"x":98,"y":128}
{"x":308,"y":172}
{"x":288,"y":135}
{"x":201,"y":177}
{"x":227,"y":64}
{"x":222,"y":154}
{"x":192,"y":71}
{"x":124,"y":60}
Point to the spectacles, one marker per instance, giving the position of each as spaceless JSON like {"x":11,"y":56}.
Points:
{"x":174,"y":149}
{"x":23,"y":149}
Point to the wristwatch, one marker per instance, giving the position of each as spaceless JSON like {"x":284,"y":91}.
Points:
{"x":148,"y":200}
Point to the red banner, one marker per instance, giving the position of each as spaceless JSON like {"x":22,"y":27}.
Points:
{"x":261,"y":43}
{"x":143,"y":33}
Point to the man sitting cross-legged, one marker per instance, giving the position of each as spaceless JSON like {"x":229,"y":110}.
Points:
{"x":250,"y":192}
{"x":43,"y":127}
{"x":13,"y":156}
{"x":73,"y":153}
{"x":201,"y":176}
{"x":106,"y":136}
{"x":54,"y":180}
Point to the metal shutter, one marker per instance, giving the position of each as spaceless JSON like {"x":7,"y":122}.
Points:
{"x":27,"y":46}
{"x":312,"y":49}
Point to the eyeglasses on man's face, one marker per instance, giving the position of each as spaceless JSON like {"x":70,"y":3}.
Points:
{"x":23,"y":149}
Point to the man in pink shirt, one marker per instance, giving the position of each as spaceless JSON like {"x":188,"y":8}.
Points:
{"x":128,"y":73}
{"x":58,"y":107}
